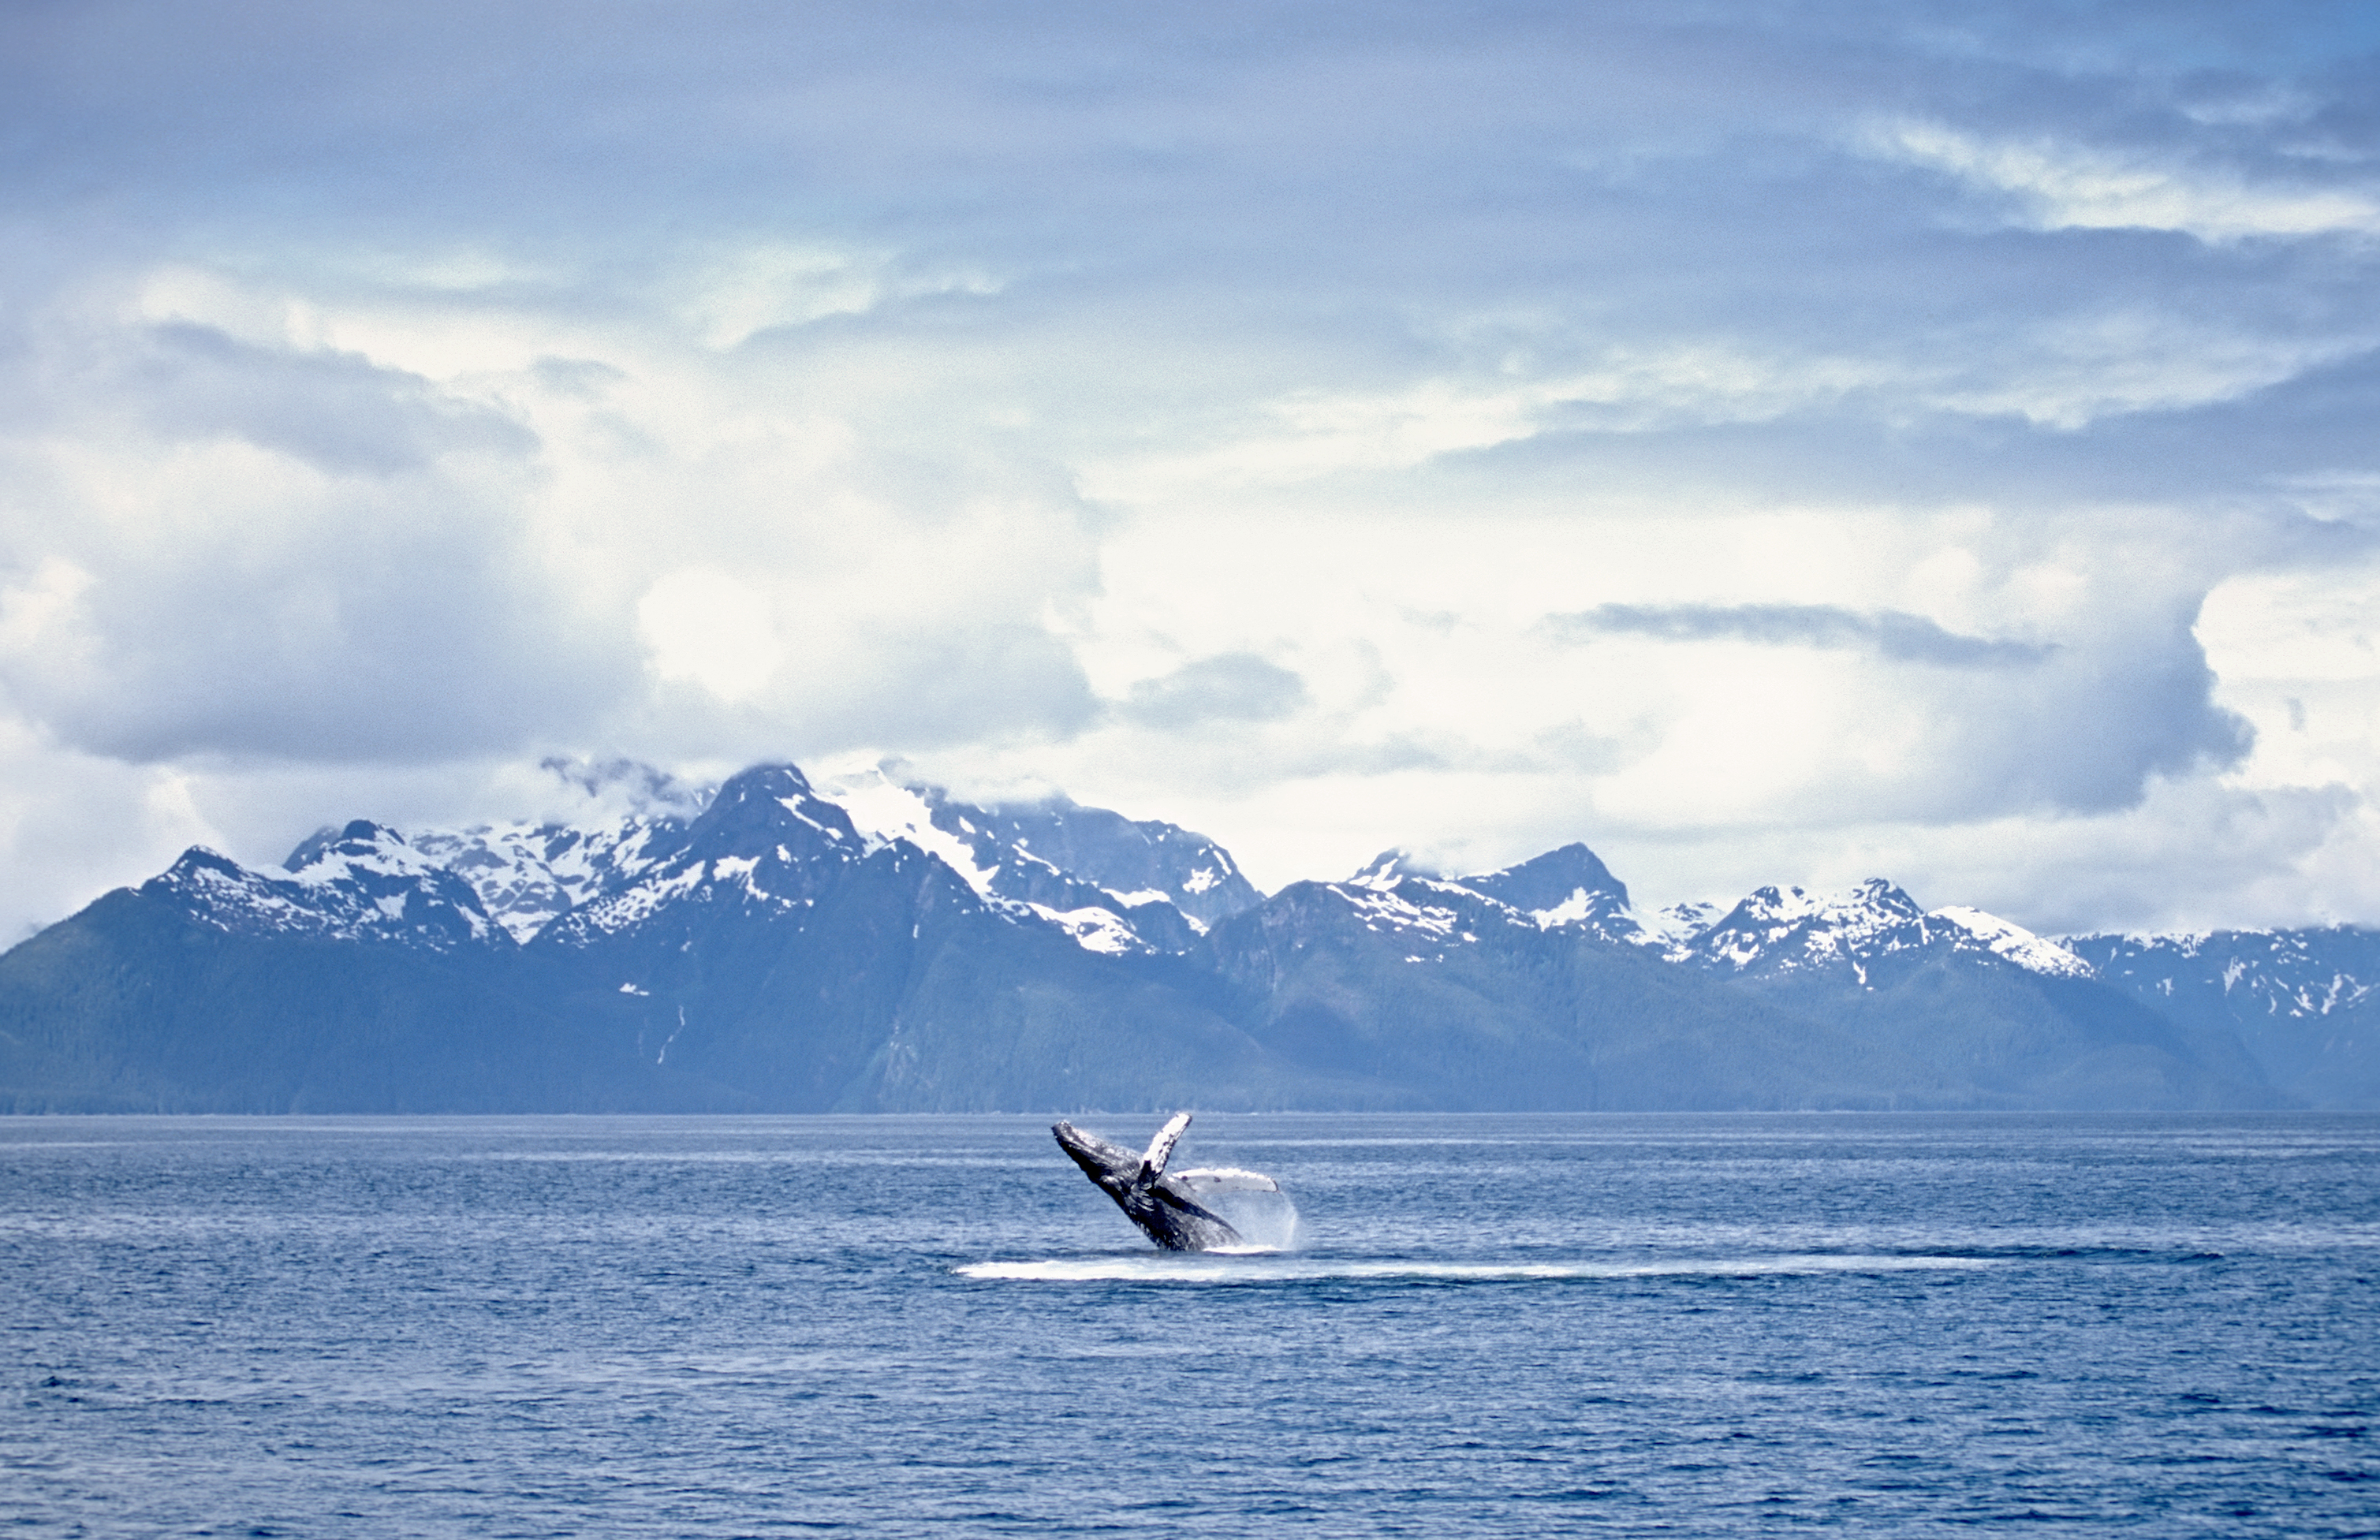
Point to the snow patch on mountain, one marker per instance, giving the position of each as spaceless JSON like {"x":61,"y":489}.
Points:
{"x":1568,"y":888}
{"x":1093,"y":930}
{"x":1670,"y":931}
{"x":995,"y":851}
{"x":883,"y":810}
{"x":1046,"y":845}
{"x":1400,"y":909}
{"x":1382,"y":872}
{"x":1574,"y":910}
{"x":2008,"y":939}
{"x":796,"y":806}
{"x":630,"y":908}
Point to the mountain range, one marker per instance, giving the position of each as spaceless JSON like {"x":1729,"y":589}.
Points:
{"x":866,"y":945}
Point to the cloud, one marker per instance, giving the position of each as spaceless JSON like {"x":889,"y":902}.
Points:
{"x":1819,"y":738}
{"x":2110,"y":359}
{"x":1628,"y":391}
{"x":626,"y":785}
{"x":968,"y":684}
{"x":569,"y":536}
{"x":1197,"y":417}
{"x":1889,"y":634}
{"x":395,"y":625}
{"x":74,"y":824}
{"x":2189,"y":854}
{"x":747,"y":289}
{"x":1232,"y":686}
{"x":1861,"y":712}
{"x":708,"y":628}
{"x":335,"y":411}
{"x":2071,"y":187}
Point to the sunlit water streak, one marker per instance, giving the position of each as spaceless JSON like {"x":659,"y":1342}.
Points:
{"x":1712,"y":1326}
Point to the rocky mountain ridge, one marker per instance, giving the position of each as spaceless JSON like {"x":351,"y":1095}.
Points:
{"x":1115,"y":885}
{"x":863,"y":943}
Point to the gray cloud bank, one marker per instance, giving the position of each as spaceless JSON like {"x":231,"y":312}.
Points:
{"x":1236,"y":687}
{"x":1902,"y":638}
{"x":335,"y":411}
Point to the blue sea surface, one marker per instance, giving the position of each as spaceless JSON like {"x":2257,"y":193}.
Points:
{"x":1699,"y":1325}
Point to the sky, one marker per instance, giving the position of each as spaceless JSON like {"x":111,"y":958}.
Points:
{"x":1772,"y":443}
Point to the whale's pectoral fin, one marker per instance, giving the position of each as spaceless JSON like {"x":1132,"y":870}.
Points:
{"x":1161,"y":1149}
{"x":1224,"y":1180}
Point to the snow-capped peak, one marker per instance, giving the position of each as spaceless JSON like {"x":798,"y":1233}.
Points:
{"x":1781,"y":929}
{"x":359,"y":883}
{"x":361,"y":849}
{"x":1054,"y":860}
{"x":1874,"y":905}
{"x":2012,"y":942}
{"x":1563,"y":888}
{"x":1778,"y":932}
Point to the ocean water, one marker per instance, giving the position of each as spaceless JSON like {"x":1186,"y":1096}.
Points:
{"x":1705,"y":1325}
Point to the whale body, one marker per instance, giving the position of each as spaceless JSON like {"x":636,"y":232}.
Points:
{"x":1166,"y":1207}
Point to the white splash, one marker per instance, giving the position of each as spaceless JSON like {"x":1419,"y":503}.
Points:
{"x":1250,"y":1202}
{"x":1212,"y":1267}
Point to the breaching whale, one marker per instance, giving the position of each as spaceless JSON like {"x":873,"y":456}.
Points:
{"x":1166,"y":1207}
